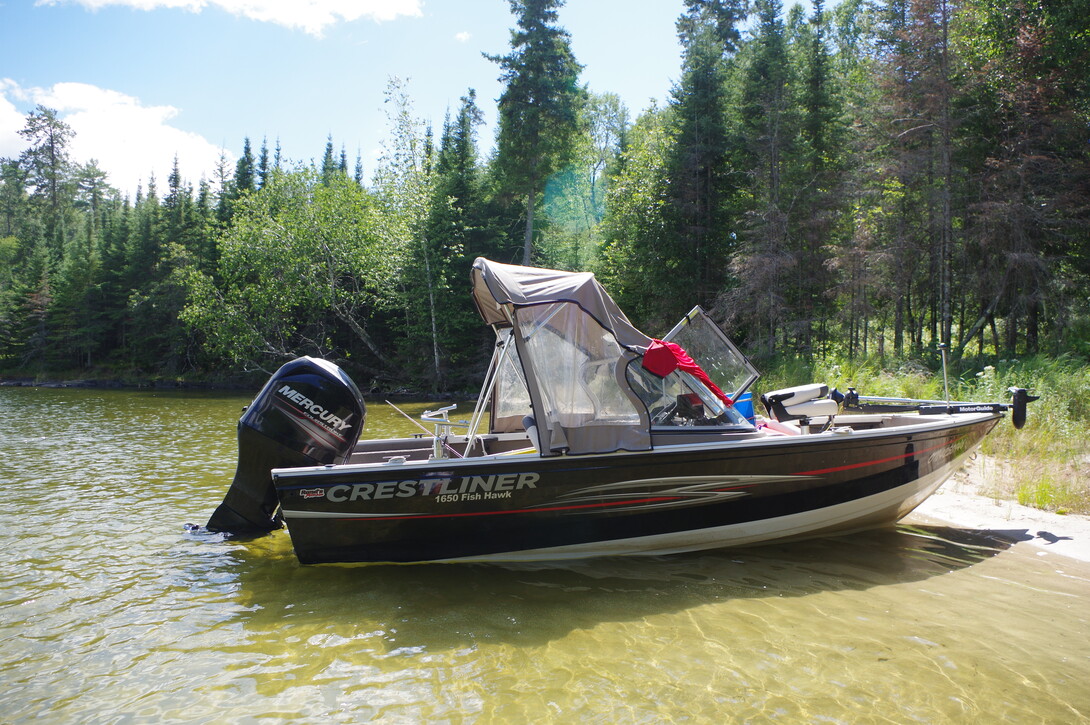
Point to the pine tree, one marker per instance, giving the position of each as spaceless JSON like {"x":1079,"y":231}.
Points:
{"x":817,"y":177}
{"x":699,"y":208}
{"x":14,"y":202}
{"x":457,"y":231}
{"x":224,"y":190}
{"x":915,"y":126}
{"x":1027,"y":224}
{"x":31,"y":328}
{"x":74,"y":307}
{"x":329,"y":165}
{"x":46,"y":165}
{"x":263,"y":168}
{"x":207,"y":253}
{"x":539,"y":108}
{"x":114,"y":284}
{"x":763,"y":263}
{"x":176,"y":205}
{"x":244,"y":170}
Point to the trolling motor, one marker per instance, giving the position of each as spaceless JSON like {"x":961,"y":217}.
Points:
{"x":853,"y":401}
{"x":309,"y":413}
{"x":1020,"y":398}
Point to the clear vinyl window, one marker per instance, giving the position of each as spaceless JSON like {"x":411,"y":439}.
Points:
{"x":681,"y":400}
{"x":576,"y":363}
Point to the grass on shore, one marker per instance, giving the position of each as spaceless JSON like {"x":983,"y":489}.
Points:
{"x":1045,"y":465}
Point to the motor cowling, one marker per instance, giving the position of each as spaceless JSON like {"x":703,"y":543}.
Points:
{"x":309,"y":413}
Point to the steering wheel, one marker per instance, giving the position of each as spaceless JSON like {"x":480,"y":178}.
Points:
{"x":665,"y":415}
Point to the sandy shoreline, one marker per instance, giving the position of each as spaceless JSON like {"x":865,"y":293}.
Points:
{"x":959,"y":502}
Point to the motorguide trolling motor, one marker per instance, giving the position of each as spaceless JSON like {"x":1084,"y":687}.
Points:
{"x":309,"y":413}
{"x":853,"y":401}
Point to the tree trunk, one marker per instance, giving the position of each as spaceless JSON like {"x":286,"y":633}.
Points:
{"x":528,"y":238}
{"x":899,"y":326}
{"x":947,"y":182}
{"x":1032,"y":323}
{"x":436,"y":381}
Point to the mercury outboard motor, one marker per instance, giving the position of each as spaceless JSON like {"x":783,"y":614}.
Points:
{"x":310,"y":413}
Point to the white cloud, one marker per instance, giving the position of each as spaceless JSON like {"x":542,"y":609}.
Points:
{"x":462,"y":37}
{"x":129,"y":141}
{"x":11,"y":120}
{"x":311,"y":16}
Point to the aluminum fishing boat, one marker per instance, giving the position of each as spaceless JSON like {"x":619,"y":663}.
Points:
{"x":589,"y":438}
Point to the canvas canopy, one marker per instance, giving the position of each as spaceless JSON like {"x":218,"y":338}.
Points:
{"x":564,"y":349}
{"x":499,"y":288}
{"x":568,"y":357}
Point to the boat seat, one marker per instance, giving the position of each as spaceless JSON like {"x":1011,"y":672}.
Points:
{"x":530,"y":426}
{"x":802,"y":402}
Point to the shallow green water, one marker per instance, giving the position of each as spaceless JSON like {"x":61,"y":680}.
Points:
{"x":111,"y":612}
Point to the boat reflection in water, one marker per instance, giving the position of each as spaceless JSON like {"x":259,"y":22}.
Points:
{"x":601,"y":441}
{"x":516,"y":603}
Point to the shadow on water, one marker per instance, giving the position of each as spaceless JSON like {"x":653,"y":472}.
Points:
{"x":449,"y":606}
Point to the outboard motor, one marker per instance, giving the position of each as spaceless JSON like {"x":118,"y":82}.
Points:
{"x":310,"y":413}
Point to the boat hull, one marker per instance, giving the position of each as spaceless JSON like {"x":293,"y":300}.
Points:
{"x":670,"y":499}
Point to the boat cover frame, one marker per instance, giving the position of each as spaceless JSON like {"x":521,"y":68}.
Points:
{"x":565,"y":343}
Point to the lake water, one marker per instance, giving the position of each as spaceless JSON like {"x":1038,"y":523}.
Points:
{"x":111,"y":612}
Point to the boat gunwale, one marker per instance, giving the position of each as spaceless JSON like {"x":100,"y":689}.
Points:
{"x":933,"y":423}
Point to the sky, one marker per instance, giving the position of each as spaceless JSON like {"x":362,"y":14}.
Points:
{"x":143,"y":81}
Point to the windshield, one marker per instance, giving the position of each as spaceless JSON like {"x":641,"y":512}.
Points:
{"x":713,"y":351}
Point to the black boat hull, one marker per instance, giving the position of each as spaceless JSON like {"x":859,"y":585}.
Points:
{"x":671,"y":499}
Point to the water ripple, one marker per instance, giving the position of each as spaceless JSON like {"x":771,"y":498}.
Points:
{"x":111,"y":612}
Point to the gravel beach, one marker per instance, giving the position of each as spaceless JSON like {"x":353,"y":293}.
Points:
{"x":960,"y":502}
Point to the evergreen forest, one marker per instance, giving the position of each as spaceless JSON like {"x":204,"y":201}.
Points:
{"x":865,"y":180}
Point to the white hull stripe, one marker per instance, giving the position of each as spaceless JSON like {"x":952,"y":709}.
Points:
{"x":886,"y":507}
